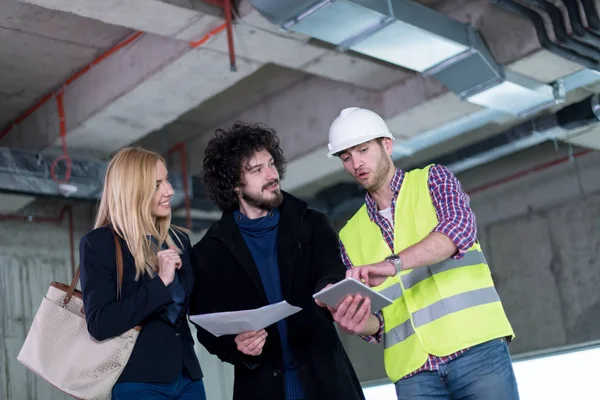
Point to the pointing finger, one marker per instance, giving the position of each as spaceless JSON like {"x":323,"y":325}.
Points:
{"x":364,"y":275}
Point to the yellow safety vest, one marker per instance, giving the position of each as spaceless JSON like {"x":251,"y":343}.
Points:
{"x":439,"y":309}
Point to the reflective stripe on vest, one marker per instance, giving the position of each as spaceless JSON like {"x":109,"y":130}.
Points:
{"x":418,"y":275}
{"x":438,"y":310}
{"x":392,"y":292}
{"x":398,"y":334}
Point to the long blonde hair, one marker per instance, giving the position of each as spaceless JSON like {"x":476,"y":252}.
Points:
{"x":129,"y":186}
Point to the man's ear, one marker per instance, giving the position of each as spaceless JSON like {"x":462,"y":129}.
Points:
{"x":388,"y":145}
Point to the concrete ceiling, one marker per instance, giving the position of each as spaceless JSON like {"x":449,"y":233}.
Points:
{"x":267,"y":81}
{"x":41,"y":48}
{"x":159,"y":90}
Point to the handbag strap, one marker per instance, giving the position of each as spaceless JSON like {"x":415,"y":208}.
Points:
{"x":119,"y":258}
{"x":119,"y":254}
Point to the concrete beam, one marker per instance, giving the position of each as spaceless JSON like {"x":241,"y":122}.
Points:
{"x":30,"y":34}
{"x":154,"y":80}
{"x":266,"y":82}
{"x":302,"y":114}
{"x":259,"y":40}
{"x":411,"y":106}
{"x":255,"y":38}
{"x":172,"y":19}
{"x":138,"y":89}
{"x":171,"y":83}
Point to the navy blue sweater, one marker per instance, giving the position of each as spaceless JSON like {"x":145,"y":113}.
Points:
{"x":260,"y":236}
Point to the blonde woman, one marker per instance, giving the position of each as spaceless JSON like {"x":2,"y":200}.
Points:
{"x":157,"y":280}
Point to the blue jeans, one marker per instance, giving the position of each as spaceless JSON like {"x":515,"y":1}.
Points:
{"x":182,"y":388}
{"x":483,"y":372}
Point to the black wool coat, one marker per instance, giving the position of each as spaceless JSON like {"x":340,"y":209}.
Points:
{"x":227,"y":279}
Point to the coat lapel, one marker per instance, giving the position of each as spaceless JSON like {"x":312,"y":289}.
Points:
{"x":288,"y":240}
{"x":230,"y":234}
{"x":186,"y":275}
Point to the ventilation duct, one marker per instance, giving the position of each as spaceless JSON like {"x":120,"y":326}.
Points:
{"x":585,"y":113}
{"x":584,"y":131}
{"x":415,"y":37}
{"x":28,"y":172}
{"x":582,"y":46}
{"x":520,"y":137}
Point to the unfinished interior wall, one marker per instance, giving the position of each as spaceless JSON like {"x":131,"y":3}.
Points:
{"x":541,"y":234}
{"x":32,"y":254}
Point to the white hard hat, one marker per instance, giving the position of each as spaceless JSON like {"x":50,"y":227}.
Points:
{"x":355,"y":126}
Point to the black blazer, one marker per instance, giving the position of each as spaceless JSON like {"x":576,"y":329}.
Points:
{"x":162,"y":349}
{"x":227,"y":279}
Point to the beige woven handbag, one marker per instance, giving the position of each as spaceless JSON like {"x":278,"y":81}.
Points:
{"x":59,"y":349}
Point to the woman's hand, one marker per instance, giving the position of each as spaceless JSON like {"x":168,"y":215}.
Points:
{"x":168,"y":262}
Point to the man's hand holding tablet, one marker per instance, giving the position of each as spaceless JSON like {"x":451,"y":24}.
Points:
{"x":351,"y":303}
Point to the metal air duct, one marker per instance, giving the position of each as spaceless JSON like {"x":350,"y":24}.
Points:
{"x":413,"y":36}
{"x":28,"y":172}
{"x":585,"y":113}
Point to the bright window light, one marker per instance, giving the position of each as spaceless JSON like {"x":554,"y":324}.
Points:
{"x":568,"y":375}
{"x":563,"y":376}
{"x":380,"y":392}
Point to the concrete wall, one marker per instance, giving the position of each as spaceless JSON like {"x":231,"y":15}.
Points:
{"x":541,"y":234}
{"x":31,"y":256}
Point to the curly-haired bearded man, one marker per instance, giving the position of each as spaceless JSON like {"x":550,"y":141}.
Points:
{"x":267,"y":247}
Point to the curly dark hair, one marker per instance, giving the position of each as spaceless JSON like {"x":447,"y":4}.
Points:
{"x":225,"y":154}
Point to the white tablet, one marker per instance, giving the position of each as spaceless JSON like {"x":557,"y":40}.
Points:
{"x":335,"y":294}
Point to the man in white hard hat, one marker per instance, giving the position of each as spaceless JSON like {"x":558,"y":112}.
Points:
{"x":415,"y":241}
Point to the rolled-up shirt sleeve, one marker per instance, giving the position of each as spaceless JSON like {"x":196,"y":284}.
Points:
{"x":376,"y":338}
{"x":452,"y":206}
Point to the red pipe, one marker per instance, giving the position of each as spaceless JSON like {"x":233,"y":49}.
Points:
{"x":229,"y":22}
{"x":207,"y":37}
{"x":182,"y":149}
{"x":66,"y":210}
{"x":63,"y":138}
{"x":528,"y":171}
{"x":227,"y":7}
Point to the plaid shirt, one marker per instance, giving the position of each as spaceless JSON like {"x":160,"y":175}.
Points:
{"x":456,"y":220}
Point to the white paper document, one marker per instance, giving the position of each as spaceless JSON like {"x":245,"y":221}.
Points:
{"x":234,"y":322}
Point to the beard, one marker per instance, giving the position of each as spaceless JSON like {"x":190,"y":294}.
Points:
{"x":379,"y":175}
{"x":262,"y":202}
